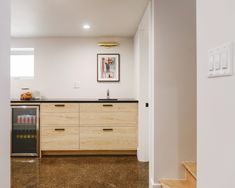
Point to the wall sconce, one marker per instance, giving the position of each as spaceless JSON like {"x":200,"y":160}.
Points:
{"x":108,"y":44}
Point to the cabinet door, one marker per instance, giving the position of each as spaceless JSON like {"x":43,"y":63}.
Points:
{"x":59,"y":138}
{"x":55,"y":119}
{"x":102,"y":118}
{"x":108,"y":107}
{"x":107,"y":138}
{"x":60,"y":108}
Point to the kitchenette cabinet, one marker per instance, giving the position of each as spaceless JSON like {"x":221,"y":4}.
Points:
{"x":88,"y":128}
{"x":110,"y":126}
{"x":59,"y":126}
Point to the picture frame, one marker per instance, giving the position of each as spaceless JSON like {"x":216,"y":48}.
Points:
{"x":108,"y":67}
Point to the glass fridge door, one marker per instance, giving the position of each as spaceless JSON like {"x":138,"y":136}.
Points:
{"x":25,"y":130}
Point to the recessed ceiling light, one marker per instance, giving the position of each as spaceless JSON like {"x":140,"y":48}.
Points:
{"x":86,"y":26}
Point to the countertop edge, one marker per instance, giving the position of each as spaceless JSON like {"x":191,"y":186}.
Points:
{"x":71,"y":101}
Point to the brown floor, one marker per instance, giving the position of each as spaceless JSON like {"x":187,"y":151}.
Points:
{"x":79,"y":172}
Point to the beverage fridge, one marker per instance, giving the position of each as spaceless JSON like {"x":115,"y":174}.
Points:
{"x":25,"y":130}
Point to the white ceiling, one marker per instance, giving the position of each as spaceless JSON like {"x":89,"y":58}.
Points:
{"x":46,"y":18}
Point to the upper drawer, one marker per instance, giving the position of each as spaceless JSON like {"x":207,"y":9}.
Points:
{"x":108,"y":107}
{"x":60,"y":107}
{"x":48,"y":119}
{"x":97,"y":119}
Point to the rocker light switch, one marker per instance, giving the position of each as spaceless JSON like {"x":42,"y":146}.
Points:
{"x":220,"y":62}
{"x":217,"y":62}
{"x":211,"y":63}
{"x":224,"y":61}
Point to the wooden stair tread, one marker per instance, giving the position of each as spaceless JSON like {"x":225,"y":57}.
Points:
{"x":175,"y":184}
{"x":191,"y":167}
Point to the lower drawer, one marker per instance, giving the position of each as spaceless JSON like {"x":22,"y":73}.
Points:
{"x":59,"y":138}
{"x":106,"y":138}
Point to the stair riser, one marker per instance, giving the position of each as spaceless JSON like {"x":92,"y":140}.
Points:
{"x":191,"y":180}
{"x":191,"y":167}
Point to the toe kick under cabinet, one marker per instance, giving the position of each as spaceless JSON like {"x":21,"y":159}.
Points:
{"x":89,"y":128}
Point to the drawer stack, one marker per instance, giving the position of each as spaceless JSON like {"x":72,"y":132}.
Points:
{"x":108,"y":126}
{"x":88,"y":127}
{"x":59,"y":126}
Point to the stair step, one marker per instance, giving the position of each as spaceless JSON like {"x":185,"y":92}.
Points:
{"x":191,"y":167}
{"x":175,"y":184}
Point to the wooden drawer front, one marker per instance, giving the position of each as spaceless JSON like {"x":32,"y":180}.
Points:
{"x":109,"y":107}
{"x":116,"y":138}
{"x":60,"y":107}
{"x":48,"y":119}
{"x":58,"y":138}
{"x":98,"y":119}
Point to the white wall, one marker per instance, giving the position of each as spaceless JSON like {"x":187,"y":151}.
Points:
{"x":4,"y":94}
{"x":142,"y":48}
{"x":175,"y":86}
{"x":153,"y":179}
{"x":59,"y":62}
{"x":216,"y":97}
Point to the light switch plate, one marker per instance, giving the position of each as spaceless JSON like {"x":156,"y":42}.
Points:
{"x":220,"y":61}
{"x":76,"y":85}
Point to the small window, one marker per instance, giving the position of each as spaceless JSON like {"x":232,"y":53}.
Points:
{"x":22,"y":62}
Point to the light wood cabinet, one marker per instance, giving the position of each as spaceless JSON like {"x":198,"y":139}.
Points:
{"x":89,"y":127}
{"x":59,"y":126}
{"x":108,"y":107}
{"x":52,"y":119}
{"x":108,"y":138}
{"x":59,"y":138}
{"x":56,"y":114}
{"x":108,"y":126}
{"x":101,"y":118}
{"x":59,"y":108}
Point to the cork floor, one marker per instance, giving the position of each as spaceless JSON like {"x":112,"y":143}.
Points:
{"x":79,"y":172}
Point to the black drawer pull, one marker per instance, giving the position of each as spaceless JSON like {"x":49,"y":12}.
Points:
{"x":107,"y":105}
{"x":107,"y":129}
{"x":59,"y":105}
{"x":59,"y":129}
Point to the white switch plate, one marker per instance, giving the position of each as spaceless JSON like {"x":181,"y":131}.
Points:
{"x":76,"y":85}
{"x":220,"y":61}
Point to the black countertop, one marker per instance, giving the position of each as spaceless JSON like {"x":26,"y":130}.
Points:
{"x":75,"y":101}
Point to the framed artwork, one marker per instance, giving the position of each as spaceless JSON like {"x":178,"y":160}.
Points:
{"x":108,"y":67}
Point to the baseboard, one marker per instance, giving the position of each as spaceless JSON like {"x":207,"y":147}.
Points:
{"x":152,"y":184}
{"x":141,"y":157}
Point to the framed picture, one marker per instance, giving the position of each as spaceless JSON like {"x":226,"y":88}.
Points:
{"x":108,"y":67}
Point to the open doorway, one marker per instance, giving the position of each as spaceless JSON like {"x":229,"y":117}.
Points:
{"x":48,"y":47}
{"x":90,"y":126}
